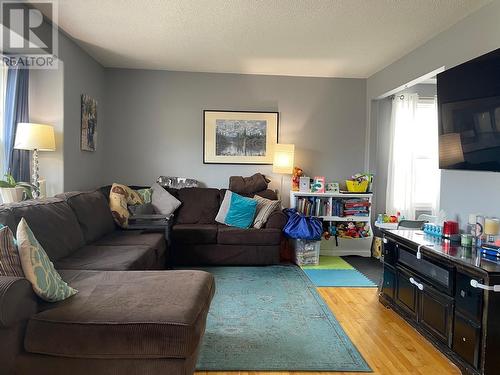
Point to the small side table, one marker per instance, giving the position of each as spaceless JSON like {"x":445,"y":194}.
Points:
{"x":152,"y":223}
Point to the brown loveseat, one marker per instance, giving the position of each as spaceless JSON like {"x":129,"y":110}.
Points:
{"x":197,"y":239}
{"x":124,"y":320}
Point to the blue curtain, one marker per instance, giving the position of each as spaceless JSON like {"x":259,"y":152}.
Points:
{"x":16,"y":110}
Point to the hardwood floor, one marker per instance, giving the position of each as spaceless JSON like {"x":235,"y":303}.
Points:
{"x":387,"y":342}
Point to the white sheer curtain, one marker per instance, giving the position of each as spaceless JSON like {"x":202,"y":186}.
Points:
{"x":413,"y":173}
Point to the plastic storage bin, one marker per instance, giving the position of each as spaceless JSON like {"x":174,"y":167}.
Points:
{"x":356,"y":186}
{"x":306,"y":252}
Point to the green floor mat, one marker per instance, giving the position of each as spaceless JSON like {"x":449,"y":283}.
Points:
{"x":330,"y":263}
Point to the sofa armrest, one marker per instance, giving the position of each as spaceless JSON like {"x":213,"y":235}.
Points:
{"x":276,"y":220}
{"x":17,"y":300}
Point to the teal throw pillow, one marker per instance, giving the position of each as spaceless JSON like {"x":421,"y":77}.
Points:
{"x":236,"y":211}
{"x":38,"y":269}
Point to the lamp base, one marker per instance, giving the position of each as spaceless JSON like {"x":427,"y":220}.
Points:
{"x":35,"y":176}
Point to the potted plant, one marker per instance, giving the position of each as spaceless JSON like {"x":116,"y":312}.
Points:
{"x":12,"y":191}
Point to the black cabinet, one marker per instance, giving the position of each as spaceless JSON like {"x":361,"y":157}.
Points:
{"x":466,"y":339}
{"x":469,"y":300}
{"x":389,"y":283}
{"x":424,"y":303}
{"x":436,"y":313}
{"x":406,"y":292}
{"x":451,"y":295}
{"x":389,"y":251}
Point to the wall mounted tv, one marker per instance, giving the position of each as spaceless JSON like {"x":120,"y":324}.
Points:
{"x":469,"y":115}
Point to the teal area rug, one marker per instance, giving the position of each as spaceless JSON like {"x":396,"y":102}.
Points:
{"x":338,"y":278}
{"x":273,"y":319}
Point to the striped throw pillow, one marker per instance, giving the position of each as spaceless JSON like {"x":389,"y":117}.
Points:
{"x":265,"y":207}
{"x":10,"y":264}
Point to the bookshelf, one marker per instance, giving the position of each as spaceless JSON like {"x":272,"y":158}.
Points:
{"x":338,"y":209}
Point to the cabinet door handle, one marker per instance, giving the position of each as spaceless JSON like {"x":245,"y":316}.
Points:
{"x":417,"y":284}
{"x":478,"y":285}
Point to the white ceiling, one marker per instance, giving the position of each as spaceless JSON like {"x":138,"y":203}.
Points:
{"x":324,"y":38}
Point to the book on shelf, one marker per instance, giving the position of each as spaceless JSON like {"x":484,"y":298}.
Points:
{"x":325,"y":206}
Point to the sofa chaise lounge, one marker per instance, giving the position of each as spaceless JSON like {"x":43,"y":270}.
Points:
{"x":129,"y":317}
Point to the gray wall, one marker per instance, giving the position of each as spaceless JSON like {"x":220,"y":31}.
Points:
{"x":55,"y":99}
{"x":82,"y":75}
{"x":154,"y":123}
{"x":46,"y":102}
{"x":462,"y":192}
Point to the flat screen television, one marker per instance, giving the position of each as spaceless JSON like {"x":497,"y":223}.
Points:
{"x":469,"y":115}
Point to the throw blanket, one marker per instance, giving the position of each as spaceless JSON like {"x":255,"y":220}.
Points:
{"x":248,"y":185}
{"x":120,"y":197}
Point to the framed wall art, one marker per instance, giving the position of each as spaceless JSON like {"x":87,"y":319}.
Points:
{"x":231,"y":137}
{"x":88,"y":138}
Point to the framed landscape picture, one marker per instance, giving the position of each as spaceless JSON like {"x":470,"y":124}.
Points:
{"x":231,"y":137}
{"x":88,"y":138}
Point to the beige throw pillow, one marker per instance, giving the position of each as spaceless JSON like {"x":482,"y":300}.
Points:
{"x":265,"y":207}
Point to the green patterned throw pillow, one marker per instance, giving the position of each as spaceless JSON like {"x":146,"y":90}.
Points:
{"x":145,"y":195}
{"x":38,"y":269}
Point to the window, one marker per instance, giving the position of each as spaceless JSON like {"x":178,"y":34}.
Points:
{"x":3,"y":89}
{"x":413,"y":171}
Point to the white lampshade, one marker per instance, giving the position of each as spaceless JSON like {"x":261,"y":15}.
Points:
{"x":283,"y":158}
{"x":35,"y":137}
{"x":450,"y":150}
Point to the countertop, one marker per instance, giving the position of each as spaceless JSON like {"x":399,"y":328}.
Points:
{"x":467,"y":256}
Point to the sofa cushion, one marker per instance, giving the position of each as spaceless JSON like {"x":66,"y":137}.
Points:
{"x":132,"y":237}
{"x":110,"y":258}
{"x":7,"y":218}
{"x":38,"y":269}
{"x":155,"y":314}
{"x":17,"y":301}
{"x":10,"y":264}
{"x":155,"y":241}
{"x":194,"y":233}
{"x":93,"y":213}
{"x":277,"y":220}
{"x":53,"y":223}
{"x":199,"y":205}
{"x":235,"y":236}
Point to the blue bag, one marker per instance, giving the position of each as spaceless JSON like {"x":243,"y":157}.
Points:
{"x":302,"y":227}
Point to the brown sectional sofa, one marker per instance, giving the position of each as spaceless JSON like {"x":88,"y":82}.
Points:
{"x":128,"y":317}
{"x":197,"y":239}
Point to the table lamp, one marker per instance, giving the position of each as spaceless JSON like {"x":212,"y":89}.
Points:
{"x":35,"y":137}
{"x":283,"y":161}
